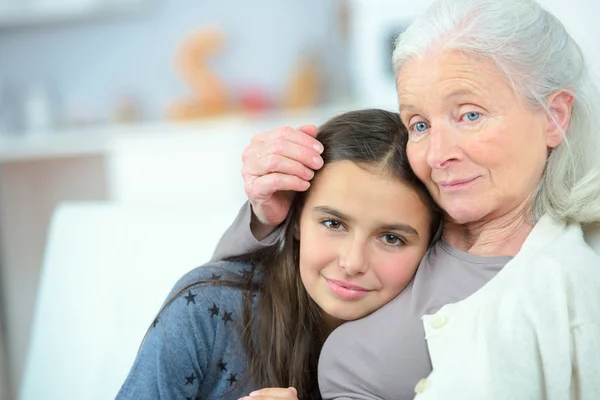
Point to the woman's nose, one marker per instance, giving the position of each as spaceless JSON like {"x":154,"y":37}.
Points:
{"x":442,"y":148}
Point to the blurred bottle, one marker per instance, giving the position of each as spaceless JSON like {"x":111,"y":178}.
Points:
{"x":37,"y":110}
{"x":9,"y":112}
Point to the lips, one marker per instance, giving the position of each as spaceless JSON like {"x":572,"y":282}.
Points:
{"x":347,"y":290}
{"x":455,"y":184}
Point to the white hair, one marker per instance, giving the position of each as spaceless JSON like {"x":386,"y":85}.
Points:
{"x":537,"y":56}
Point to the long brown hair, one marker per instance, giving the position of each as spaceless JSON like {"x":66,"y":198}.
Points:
{"x":284,"y":333}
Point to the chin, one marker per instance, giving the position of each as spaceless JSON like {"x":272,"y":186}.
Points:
{"x":465,"y":214}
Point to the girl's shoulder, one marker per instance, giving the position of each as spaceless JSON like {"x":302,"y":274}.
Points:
{"x":220,"y":285}
{"x":219,"y":274}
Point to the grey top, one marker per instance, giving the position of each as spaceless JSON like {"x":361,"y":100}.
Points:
{"x":384,"y":355}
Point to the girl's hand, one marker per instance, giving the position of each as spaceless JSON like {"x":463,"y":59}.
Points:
{"x":273,"y":394}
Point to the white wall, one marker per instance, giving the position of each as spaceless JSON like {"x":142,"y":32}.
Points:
{"x":581,"y":20}
{"x":29,"y":192}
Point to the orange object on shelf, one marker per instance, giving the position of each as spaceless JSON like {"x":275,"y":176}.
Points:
{"x":209,"y":92}
{"x":304,"y":87}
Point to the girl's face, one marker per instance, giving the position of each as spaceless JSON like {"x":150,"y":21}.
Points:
{"x":362,"y":235}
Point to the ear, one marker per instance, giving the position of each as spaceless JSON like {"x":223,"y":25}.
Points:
{"x":560,"y":105}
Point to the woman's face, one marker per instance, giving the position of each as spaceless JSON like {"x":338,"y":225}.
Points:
{"x":362,"y":235}
{"x":473,"y":142}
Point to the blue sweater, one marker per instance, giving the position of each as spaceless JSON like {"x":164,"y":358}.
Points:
{"x":193,"y":350}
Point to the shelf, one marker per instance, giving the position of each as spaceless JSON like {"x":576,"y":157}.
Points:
{"x":23,"y":18}
{"x":98,"y":140}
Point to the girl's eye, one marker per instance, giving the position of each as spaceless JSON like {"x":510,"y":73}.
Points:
{"x":333,"y":224}
{"x":472,"y":116}
{"x":392,"y":240}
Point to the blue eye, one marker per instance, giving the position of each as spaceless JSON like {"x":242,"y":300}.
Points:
{"x":421,"y":127}
{"x":472,"y":116}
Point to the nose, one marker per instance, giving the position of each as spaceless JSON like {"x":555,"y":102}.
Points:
{"x":353,"y":260}
{"x":443,"y":149}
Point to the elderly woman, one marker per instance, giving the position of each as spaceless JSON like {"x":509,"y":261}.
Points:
{"x":504,"y":132}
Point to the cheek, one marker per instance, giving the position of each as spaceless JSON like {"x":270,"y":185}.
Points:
{"x":417,"y":158}
{"x":395,"y":273}
{"x":316,"y":250}
{"x":517,"y":152}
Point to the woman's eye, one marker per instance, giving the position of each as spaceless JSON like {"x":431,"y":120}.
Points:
{"x":421,"y":127}
{"x":472,"y":116}
{"x":333,"y":224}
{"x":392,"y":240}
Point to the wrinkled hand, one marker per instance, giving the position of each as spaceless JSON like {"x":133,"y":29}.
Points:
{"x":276,"y":164}
{"x":273,"y":394}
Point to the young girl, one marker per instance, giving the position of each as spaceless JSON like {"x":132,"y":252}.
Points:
{"x":352,"y":243}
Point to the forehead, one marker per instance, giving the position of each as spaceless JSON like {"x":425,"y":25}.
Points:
{"x":365,"y":194}
{"x":449,"y":74}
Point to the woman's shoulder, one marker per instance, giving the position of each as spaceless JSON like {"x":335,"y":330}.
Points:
{"x":560,"y":241}
{"x":569,"y":250}
{"x":565,"y":268}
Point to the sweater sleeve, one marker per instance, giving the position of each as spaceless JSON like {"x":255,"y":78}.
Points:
{"x":238,"y":238}
{"x":586,"y":361}
{"x":174,"y":359}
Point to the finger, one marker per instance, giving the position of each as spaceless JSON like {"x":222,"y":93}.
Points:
{"x":256,"y":156}
{"x":275,"y":393}
{"x":290,"y":134}
{"x":309,"y":130}
{"x":262,"y":188}
{"x":306,"y":155}
{"x":274,"y":163}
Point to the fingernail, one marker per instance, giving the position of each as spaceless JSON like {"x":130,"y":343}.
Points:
{"x":318,"y":148}
{"x":318,"y":161}
{"x":309,"y":173}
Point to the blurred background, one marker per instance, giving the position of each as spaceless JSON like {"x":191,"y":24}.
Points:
{"x":122,"y":124}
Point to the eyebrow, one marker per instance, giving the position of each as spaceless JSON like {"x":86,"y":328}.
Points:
{"x":332,"y":211}
{"x":460,"y":93}
{"x":404,"y":228}
{"x":406,"y":107}
{"x":456,"y":93}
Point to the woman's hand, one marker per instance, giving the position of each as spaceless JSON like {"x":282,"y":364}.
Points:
{"x":276,"y":164}
{"x":273,"y":394}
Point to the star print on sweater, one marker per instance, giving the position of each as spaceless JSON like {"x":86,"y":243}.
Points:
{"x":196,"y":350}
{"x":222,"y":366}
{"x":191,"y":298}
{"x":227,"y":317}
{"x":214,"y":310}
{"x":189,"y":380}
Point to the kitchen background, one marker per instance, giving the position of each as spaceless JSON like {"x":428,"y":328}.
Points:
{"x":122,"y":124}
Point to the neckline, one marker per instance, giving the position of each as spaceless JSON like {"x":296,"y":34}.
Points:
{"x":472,"y":258}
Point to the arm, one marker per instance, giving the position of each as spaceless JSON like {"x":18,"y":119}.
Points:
{"x":238,"y":239}
{"x":276,"y":164}
{"x":586,"y":361}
